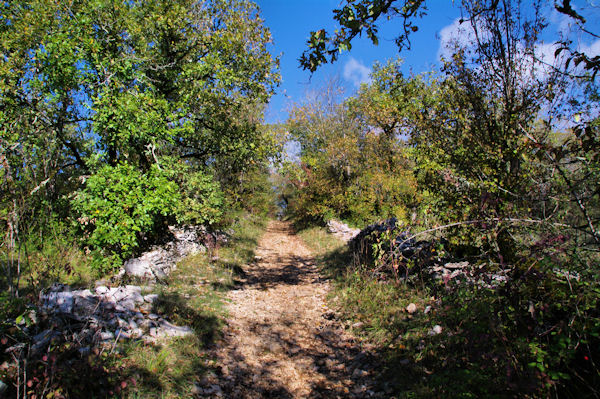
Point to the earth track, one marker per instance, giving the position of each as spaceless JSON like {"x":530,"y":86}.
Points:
{"x":281,"y":340}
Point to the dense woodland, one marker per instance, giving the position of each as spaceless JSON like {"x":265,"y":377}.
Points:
{"x":118,"y":119}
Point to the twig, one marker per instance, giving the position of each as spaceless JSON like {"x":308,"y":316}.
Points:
{"x":115,"y":343}
{"x":42,"y":184}
{"x":468,"y":222}
{"x":152,"y":147}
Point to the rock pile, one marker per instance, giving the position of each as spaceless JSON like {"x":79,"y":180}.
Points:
{"x":104,"y":315}
{"x":464,"y":271}
{"x":402,"y":241}
{"x":401,"y":247}
{"x":108,"y":314}
{"x":398,"y":243}
{"x":341,"y":230}
{"x":156,"y":263}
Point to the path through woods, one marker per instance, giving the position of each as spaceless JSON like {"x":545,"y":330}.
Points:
{"x":281,"y":340}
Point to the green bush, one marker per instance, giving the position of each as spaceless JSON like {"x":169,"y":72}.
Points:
{"x":202,"y":199}
{"x":119,"y":205}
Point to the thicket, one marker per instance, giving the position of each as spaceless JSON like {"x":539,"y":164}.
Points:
{"x":118,"y":118}
{"x":494,"y":158}
{"x":351,"y":165}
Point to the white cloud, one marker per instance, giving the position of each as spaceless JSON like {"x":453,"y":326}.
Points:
{"x":567,"y":29}
{"x":592,"y":49}
{"x":545,"y":53}
{"x":541,"y":67}
{"x":453,"y":36}
{"x":560,"y":24}
{"x":356,"y":72}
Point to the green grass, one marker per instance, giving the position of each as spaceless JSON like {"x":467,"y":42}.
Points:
{"x":320,"y":242}
{"x":379,"y":305}
{"x":490,"y":346}
{"x":53,"y":259}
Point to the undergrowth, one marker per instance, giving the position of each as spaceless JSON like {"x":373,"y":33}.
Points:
{"x":192,"y":295}
{"x":467,"y":341}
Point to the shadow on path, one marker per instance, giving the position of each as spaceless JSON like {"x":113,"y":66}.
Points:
{"x":281,"y":340}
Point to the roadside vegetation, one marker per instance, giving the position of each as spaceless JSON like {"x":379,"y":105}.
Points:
{"x":193,"y":295}
{"x":119,"y":119}
{"x":490,"y":165}
{"x":457,"y":342}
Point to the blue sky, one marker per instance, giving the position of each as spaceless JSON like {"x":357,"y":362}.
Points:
{"x":291,"y":21}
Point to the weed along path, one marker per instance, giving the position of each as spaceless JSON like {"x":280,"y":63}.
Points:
{"x":281,"y":341}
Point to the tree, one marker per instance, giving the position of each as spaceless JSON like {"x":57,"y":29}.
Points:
{"x":590,"y":63}
{"x":349,"y":168}
{"x":87,"y":86}
{"x":501,"y":89}
{"x":506,"y":185}
{"x":358,"y":17}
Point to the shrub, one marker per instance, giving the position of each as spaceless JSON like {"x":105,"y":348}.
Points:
{"x":120,"y":205}
{"x":202,"y":199}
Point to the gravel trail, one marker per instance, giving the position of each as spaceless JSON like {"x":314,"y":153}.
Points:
{"x":281,"y":340}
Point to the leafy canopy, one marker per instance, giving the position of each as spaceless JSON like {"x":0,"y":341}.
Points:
{"x":129,"y":94}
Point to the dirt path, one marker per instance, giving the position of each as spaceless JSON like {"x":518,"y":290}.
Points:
{"x":281,"y":340}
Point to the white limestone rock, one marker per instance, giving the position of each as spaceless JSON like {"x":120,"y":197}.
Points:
{"x":341,"y":230}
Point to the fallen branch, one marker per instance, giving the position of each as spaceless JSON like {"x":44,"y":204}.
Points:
{"x":469,"y":222}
